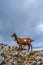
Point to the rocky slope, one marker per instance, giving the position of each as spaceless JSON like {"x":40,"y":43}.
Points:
{"x":14,"y":56}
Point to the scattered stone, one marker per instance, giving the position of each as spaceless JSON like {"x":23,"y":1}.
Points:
{"x":14,"y":56}
{"x":34,"y":62}
{"x":1,"y":59}
{"x":8,"y":63}
{"x":37,"y":58}
{"x":1,"y":51}
{"x":41,"y":59}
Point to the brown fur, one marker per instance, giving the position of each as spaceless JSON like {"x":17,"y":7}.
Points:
{"x":23,"y":41}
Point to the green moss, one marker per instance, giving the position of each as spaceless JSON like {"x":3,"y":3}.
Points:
{"x":32,"y":53}
{"x":3,"y":62}
{"x":23,"y":58}
{"x":19,"y":62}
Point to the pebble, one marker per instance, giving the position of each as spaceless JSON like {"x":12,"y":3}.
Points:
{"x":1,"y":59}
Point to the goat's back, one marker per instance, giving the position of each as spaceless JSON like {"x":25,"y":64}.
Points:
{"x":24,"y":40}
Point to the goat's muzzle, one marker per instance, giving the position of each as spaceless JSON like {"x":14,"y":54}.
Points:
{"x":32,"y":40}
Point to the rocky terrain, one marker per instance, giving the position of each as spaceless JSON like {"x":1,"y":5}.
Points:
{"x":14,"y":56}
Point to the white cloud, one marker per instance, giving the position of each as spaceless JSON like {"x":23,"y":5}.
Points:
{"x":32,"y":2}
{"x":39,"y":28}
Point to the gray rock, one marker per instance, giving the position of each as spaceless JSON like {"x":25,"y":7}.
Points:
{"x":38,"y":63}
{"x":8,"y":63}
{"x":6,"y":48}
{"x":41,"y":53}
{"x":34,"y":62}
{"x":37,"y":58}
{"x":1,"y":51}
{"x":10,"y":60}
{"x":41,"y":59}
{"x":0,"y":47}
{"x":23,"y":51}
{"x":14,"y":53}
{"x":1,"y":59}
{"x":15,"y":62}
{"x":19,"y":59}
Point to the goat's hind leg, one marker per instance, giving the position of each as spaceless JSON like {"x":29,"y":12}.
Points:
{"x":28,"y":47}
{"x":31,"y":47}
{"x":20,"y":46}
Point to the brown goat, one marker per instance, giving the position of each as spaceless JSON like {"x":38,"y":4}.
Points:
{"x":23,"y":41}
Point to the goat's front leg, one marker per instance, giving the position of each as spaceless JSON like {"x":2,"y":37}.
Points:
{"x":20,"y":46}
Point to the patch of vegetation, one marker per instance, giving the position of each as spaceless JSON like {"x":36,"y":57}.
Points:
{"x":23,"y":58}
{"x":17,"y":55}
{"x":19,"y":62}
{"x":33,"y":53}
{"x":3,"y":62}
{"x":3,"y":55}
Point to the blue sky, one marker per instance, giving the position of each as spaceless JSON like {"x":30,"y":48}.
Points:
{"x":25,"y":17}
